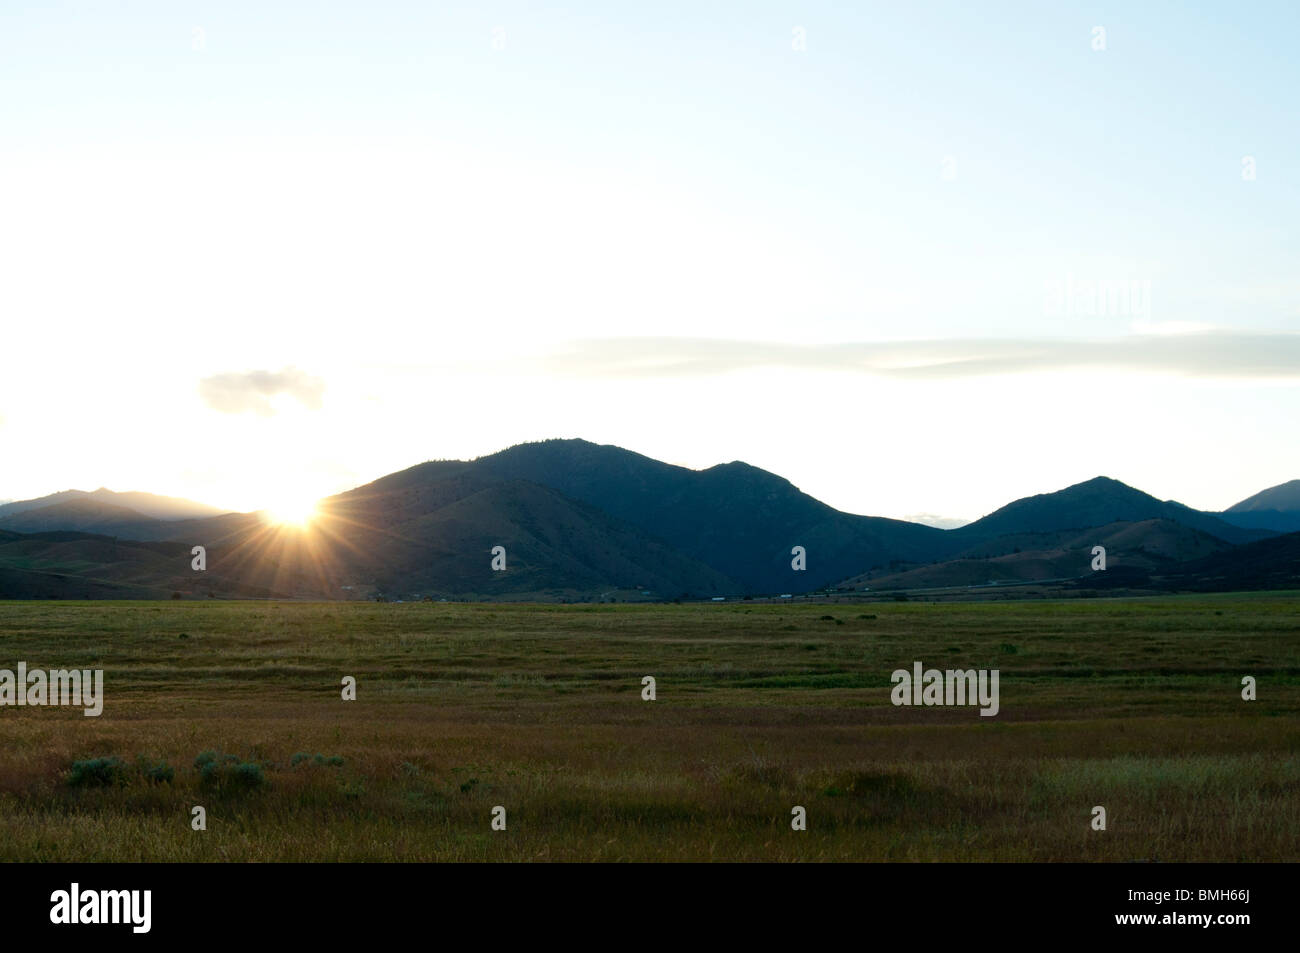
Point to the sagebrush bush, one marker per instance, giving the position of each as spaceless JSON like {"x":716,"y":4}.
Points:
{"x":97,"y":772}
{"x":333,"y":761}
{"x":227,"y":774}
{"x":159,"y":773}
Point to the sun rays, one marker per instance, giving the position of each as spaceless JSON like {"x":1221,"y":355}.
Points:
{"x":292,"y":512}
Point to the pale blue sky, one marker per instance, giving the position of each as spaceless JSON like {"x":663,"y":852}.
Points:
{"x":375,"y":195}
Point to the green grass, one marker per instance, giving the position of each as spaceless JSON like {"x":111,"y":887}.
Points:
{"x":1130,"y":704}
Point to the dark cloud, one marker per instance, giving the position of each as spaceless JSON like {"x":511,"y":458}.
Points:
{"x":240,"y":393}
{"x":1210,"y":354}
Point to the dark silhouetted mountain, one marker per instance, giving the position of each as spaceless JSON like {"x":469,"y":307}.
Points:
{"x":1277,"y":509}
{"x":1097,"y":502}
{"x":82,"y":514}
{"x":401,"y":536}
{"x":1285,"y":498}
{"x":432,"y":529}
{"x":1275,"y":521}
{"x":148,"y":505}
{"x":85,"y":515}
{"x":1265,"y":564}
{"x":579,"y":520}
{"x":68,"y":565}
{"x":739,"y":519}
{"x":1148,"y":545}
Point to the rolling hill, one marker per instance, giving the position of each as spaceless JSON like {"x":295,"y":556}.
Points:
{"x":434,"y":531}
{"x":1147,"y":545}
{"x":85,"y":515}
{"x":1096,"y":502}
{"x":149,"y":505}
{"x":1277,"y":508}
{"x":1266,"y":564}
{"x":68,"y":565}
{"x":1284,"y":497}
{"x":739,"y":519}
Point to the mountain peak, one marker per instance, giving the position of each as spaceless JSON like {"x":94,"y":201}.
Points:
{"x":1096,"y":502}
{"x":1284,"y":498}
{"x":1103,"y":481}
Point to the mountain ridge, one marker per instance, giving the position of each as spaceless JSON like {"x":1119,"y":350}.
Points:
{"x":578,"y":519}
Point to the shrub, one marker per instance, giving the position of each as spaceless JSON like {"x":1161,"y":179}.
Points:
{"x":227,"y":774}
{"x":160,"y":773}
{"x":247,"y":775}
{"x":97,"y":773}
{"x":333,"y":761}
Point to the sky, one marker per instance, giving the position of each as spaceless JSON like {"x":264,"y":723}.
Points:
{"x":918,"y":258}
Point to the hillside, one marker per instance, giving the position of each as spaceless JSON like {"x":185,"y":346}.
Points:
{"x":1148,"y":545}
{"x":1276,"y":509}
{"x":399,"y":539}
{"x":148,"y":505}
{"x":1266,"y":564}
{"x":739,"y":519}
{"x":68,"y":565}
{"x":1284,"y":498}
{"x":82,"y":514}
{"x":1096,"y":502}
{"x":436,"y":532}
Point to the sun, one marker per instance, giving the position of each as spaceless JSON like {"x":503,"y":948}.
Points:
{"x":294,"y":513}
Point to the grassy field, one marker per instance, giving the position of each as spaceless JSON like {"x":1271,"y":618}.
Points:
{"x":1134,"y":705}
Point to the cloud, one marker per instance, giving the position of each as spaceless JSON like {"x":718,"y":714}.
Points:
{"x":1222,"y":354}
{"x":939,"y":522}
{"x":240,"y":393}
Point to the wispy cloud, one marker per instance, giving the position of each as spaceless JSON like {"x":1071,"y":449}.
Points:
{"x":252,"y":391}
{"x":1222,"y":354}
{"x":933,"y":519}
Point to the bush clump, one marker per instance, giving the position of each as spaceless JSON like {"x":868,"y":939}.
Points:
{"x":227,"y":774}
{"x":333,"y":761}
{"x":97,"y":773}
{"x":156,"y":773}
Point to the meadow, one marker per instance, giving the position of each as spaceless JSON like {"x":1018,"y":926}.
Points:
{"x":1130,"y":704}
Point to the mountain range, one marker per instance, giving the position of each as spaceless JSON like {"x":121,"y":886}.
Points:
{"x":149,"y":505}
{"x":581,"y":521}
